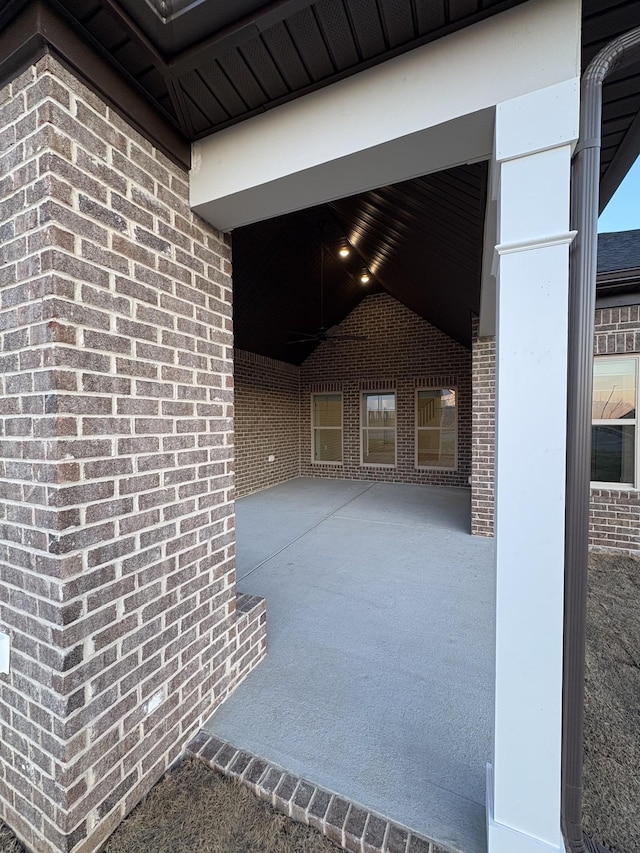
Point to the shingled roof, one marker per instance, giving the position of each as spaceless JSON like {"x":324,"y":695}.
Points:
{"x":619,"y":251}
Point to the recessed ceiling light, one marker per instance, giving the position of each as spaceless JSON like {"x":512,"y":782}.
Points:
{"x":344,"y":251}
{"x":365,"y":278}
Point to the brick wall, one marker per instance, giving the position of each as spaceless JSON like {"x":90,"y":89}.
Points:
{"x":117,"y":528}
{"x":401,"y":352}
{"x":267,"y":422}
{"x":615,"y":513}
{"x":484,"y":427}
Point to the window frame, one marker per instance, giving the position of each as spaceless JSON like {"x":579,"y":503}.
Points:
{"x":363,"y":427}
{"x":416,"y":429}
{"x":602,"y":484}
{"x":315,"y":394}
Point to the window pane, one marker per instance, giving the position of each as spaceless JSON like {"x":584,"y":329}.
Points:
{"x":379,"y":446}
{"x":437,"y":407}
{"x":612,"y":453}
{"x":614,"y":389}
{"x":437,"y":447}
{"x":327,"y":445}
{"x":380,"y":410}
{"x":327,"y":410}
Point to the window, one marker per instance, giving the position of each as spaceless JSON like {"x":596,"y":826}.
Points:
{"x":436,"y":428}
{"x":614,"y":434}
{"x":379,"y":428}
{"x":326,"y":420}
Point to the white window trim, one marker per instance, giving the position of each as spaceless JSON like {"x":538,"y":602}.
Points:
{"x":453,"y":468}
{"x":363,"y":427}
{"x":315,"y":394}
{"x":622,"y":487}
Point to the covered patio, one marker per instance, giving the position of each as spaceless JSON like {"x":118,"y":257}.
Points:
{"x":378,"y":682}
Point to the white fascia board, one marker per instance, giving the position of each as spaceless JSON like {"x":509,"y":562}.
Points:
{"x":467,"y":139}
{"x":533,"y":46}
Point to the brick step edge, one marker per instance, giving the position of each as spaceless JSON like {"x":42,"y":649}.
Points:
{"x":348,"y":824}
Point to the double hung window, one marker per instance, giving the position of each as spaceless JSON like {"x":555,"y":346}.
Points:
{"x":326,"y":419}
{"x":378,"y":420}
{"x":614,"y":432}
{"x":436,"y":428}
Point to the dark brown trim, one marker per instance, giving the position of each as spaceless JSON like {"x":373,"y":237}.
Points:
{"x":39,"y":28}
{"x":623,"y":160}
{"x":585,"y":181}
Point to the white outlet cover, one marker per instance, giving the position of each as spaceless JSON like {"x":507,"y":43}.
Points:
{"x":5,"y":651}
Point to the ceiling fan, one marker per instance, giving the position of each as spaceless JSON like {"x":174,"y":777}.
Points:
{"x":322,"y":334}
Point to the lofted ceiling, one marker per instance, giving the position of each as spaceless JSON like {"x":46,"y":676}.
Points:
{"x":183,"y":69}
{"x":420,"y":239}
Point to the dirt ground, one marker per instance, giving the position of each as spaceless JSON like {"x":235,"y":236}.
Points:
{"x":612,"y":705}
{"x":193,"y":810}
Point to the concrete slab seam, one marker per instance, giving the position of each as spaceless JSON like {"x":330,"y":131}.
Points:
{"x":304,"y":533}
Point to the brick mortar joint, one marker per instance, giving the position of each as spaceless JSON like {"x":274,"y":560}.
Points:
{"x":207,"y":748}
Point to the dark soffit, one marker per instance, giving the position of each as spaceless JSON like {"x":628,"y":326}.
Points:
{"x":205,"y":65}
{"x":214,"y":64}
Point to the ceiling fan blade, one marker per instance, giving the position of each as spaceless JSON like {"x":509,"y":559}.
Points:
{"x":304,"y":341}
{"x":310,"y":335}
{"x":346,"y":338}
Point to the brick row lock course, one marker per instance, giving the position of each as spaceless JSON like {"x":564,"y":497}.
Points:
{"x":117,"y":527}
{"x":345,"y":823}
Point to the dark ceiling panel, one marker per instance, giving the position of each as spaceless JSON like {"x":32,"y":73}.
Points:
{"x":599,"y":28}
{"x":460,"y":9}
{"x":337,"y":32}
{"x":202,"y":100}
{"x":246,"y":83}
{"x":398,"y":22}
{"x":367,"y":27}
{"x":307,"y":36}
{"x":106,"y":29}
{"x":225,"y":92}
{"x":431,"y":15}
{"x":264,"y":69}
{"x":285,"y":55}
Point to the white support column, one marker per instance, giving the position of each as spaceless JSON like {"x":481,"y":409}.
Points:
{"x":534,"y":138}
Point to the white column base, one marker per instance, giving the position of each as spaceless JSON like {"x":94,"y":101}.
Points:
{"x":506,"y":839}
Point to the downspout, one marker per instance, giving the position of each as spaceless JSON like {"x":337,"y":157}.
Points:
{"x":585,"y":181}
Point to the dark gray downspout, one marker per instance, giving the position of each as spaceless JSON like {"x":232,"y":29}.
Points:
{"x":585,"y":181}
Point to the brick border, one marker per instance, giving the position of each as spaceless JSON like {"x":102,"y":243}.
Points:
{"x":346,"y":823}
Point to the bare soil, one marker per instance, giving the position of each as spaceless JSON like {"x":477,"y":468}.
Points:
{"x":194,"y":810}
{"x":612,"y":704}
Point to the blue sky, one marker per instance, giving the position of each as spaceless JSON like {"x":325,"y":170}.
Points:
{"x":623,"y":211}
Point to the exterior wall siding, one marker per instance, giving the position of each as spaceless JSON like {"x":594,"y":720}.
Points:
{"x":401,"y":352}
{"x":615,"y":513}
{"x":117,"y":528}
{"x":267,"y":422}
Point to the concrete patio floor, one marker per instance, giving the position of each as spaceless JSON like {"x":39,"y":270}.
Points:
{"x":378,"y":680}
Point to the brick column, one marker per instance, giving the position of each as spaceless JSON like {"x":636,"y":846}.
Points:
{"x":117,"y":535}
{"x":483,"y":441}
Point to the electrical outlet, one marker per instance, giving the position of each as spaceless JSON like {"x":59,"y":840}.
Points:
{"x":271,"y":458}
{"x":5,"y":650}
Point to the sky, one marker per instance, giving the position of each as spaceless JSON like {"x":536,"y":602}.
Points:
{"x":623,"y":211}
